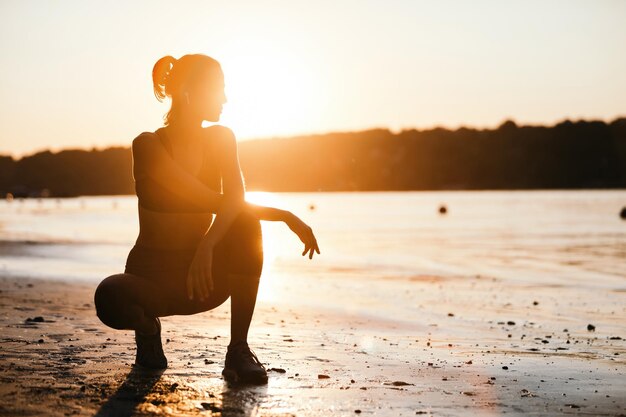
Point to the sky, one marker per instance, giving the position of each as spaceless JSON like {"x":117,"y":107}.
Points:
{"x":77,"y":74}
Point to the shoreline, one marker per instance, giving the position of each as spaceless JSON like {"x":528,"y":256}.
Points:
{"x":320,"y":361}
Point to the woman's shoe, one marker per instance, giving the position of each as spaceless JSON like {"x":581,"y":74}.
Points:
{"x":242,"y":365}
{"x":150,"y":350}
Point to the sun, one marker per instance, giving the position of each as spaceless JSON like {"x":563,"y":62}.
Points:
{"x":269,"y":93}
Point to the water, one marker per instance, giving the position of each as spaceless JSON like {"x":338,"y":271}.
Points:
{"x":571,"y":237}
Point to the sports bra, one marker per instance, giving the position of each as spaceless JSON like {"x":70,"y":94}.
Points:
{"x":154,"y":197}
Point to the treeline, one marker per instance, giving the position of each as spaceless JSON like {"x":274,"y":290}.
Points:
{"x":569,"y":155}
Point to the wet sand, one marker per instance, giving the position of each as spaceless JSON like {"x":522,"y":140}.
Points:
{"x":471,"y":346}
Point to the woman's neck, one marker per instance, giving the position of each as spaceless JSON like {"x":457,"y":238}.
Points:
{"x":184,"y":130}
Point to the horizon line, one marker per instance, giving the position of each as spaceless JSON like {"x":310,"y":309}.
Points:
{"x":395,"y":131}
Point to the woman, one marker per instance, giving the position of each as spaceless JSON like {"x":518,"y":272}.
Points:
{"x":199,"y":242}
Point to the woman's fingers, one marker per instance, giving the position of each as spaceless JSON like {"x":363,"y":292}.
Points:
{"x":305,"y":233}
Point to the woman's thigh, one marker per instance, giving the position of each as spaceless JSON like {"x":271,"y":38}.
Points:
{"x":157,"y":298}
{"x":117,"y":292}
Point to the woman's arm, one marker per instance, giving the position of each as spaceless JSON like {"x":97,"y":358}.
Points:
{"x":267,"y":213}
{"x":199,"y":278}
{"x":151,"y":159}
{"x":233,"y":201}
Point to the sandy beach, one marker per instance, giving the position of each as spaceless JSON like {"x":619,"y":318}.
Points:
{"x":481,"y":347}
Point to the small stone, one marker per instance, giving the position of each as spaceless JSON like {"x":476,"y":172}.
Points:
{"x":322,"y":376}
{"x":591,"y":328}
{"x":505,"y":367}
{"x":397,"y":383}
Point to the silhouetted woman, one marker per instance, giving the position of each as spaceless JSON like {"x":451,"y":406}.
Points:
{"x":199,"y":242}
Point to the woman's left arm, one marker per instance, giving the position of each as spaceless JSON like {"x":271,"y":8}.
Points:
{"x":199,"y":279}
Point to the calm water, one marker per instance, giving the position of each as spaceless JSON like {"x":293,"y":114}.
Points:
{"x":557,"y":236}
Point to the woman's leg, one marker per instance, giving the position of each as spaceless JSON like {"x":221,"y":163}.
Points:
{"x":244,"y":272}
{"x":244,"y":289}
{"x":245,"y":245}
{"x":129,"y":302}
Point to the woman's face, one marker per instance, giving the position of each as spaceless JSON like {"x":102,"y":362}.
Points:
{"x":208,"y":97}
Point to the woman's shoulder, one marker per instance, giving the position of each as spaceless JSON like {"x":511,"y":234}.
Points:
{"x":145,"y":139}
{"x":219,"y":135}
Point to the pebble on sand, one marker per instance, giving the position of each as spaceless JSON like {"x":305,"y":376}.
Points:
{"x":591,"y":328}
{"x":397,"y":383}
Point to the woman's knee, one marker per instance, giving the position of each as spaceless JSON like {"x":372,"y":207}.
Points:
{"x":107,"y":301}
{"x":247,"y":246}
{"x":247,"y":224}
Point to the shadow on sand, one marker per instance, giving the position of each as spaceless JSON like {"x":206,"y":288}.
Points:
{"x":138,"y":384}
{"x":236,"y":399}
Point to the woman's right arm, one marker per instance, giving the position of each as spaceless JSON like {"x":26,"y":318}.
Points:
{"x":150,"y":158}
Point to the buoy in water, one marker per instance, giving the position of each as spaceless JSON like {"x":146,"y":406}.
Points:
{"x":443,"y":209}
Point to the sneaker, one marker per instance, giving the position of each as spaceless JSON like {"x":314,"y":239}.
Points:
{"x":242,"y":365}
{"x":150,"y":350}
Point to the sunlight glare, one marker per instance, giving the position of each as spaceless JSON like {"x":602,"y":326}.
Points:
{"x":269,"y":92}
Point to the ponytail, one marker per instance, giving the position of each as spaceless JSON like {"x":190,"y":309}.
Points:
{"x":160,"y":76}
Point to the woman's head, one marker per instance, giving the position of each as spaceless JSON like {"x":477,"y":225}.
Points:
{"x":195,"y":83}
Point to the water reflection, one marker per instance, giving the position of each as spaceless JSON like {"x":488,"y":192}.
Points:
{"x":242,"y":400}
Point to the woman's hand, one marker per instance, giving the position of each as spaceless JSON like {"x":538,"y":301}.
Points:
{"x":304,"y":232}
{"x":199,"y":278}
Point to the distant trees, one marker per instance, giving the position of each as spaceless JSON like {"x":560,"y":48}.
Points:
{"x":582,"y":154}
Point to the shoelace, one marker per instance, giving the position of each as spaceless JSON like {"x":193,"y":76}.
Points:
{"x":244,"y":349}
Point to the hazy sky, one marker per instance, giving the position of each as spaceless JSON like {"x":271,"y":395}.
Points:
{"x":78,"y":73}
